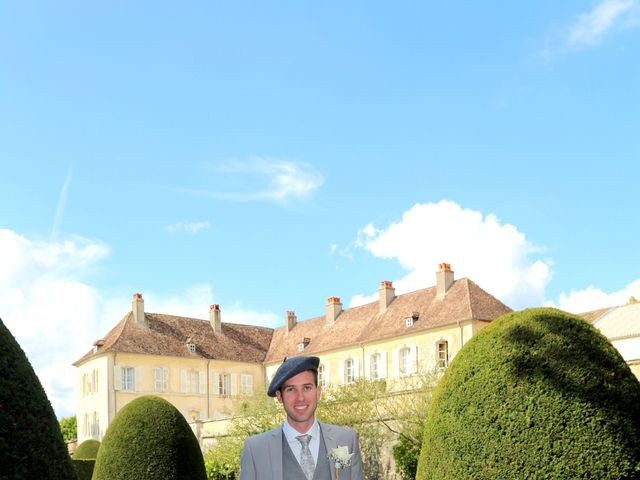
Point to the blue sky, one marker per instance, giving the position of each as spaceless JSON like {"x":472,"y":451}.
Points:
{"x":268,"y":155}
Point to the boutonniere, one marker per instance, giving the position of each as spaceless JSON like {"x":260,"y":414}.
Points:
{"x":341,"y":459}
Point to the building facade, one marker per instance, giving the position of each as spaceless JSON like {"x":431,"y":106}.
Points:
{"x":203,"y":366}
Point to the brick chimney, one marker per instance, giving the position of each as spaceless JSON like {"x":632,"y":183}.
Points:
{"x":137,"y":307}
{"x":290,"y":320}
{"x":386,"y":294}
{"x":333,"y":309}
{"x":444,"y":279}
{"x":215,"y":318}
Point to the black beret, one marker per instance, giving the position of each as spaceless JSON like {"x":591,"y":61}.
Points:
{"x":290,"y":368}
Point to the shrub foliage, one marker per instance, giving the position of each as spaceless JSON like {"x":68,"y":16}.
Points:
{"x":536,"y":394}
{"x":87,"y":450}
{"x":149,"y":439}
{"x":31,"y":445}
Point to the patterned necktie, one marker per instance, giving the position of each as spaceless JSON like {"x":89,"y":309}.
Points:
{"x":306,"y":459}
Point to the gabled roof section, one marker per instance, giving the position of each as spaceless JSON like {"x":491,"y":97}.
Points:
{"x":364,"y":324}
{"x":620,"y":322}
{"x":168,"y":334}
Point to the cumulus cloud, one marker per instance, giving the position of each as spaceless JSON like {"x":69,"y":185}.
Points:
{"x":593,"y":298}
{"x":188,"y":227}
{"x":593,"y":26}
{"x":495,"y":255}
{"x":50,"y":306}
{"x":265,"y":179}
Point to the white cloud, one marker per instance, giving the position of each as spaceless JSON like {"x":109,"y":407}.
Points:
{"x":188,"y":227}
{"x":496,"y":256}
{"x":56,"y":315}
{"x":592,"y":298}
{"x":265,"y":179}
{"x":591,"y":27}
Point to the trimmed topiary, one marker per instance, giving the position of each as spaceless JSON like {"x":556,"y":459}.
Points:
{"x":87,"y":450}
{"x":31,"y":445}
{"x":149,"y":439}
{"x":536,"y":394}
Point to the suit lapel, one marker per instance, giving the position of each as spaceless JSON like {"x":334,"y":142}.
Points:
{"x":330,"y":442}
{"x":275,"y":453}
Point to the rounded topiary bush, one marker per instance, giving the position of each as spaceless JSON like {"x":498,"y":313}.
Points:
{"x":87,"y":450}
{"x":31,"y":444}
{"x":149,"y":439}
{"x":536,"y":394}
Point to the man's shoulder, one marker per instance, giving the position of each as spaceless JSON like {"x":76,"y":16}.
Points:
{"x":260,"y":437}
{"x":337,"y":429}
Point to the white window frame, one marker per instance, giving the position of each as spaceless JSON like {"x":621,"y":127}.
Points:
{"x":246,"y":384}
{"x":128,"y":379}
{"x":349,"y":371}
{"x":160,"y":379}
{"x":375,"y":366}
{"x":322,"y":375}
{"x":442,"y":362}
{"x":224,"y":385}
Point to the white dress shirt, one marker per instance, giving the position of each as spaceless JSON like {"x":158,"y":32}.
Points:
{"x":291,"y":433}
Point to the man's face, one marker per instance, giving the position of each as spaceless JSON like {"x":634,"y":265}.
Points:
{"x":299,"y":395}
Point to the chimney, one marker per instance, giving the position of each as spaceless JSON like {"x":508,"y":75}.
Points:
{"x":137,"y":307}
{"x":444,"y":279}
{"x":386,"y":294}
{"x":290,"y":320}
{"x":333,"y":309}
{"x":215,"y":318}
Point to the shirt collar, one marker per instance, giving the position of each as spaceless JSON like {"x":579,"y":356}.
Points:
{"x":291,"y":433}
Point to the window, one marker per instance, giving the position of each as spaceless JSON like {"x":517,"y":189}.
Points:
{"x":300,"y":346}
{"x":191,"y":347}
{"x":442,"y":354}
{"x":128,"y":378}
{"x":160,"y":379}
{"x":349,"y":371}
{"x":322,"y":380}
{"x":193,"y":381}
{"x":224,"y":384}
{"x":404,"y":358}
{"x":408,"y":321}
{"x":376,"y":366}
{"x":94,"y":381}
{"x":95,"y":426}
{"x":246,"y":384}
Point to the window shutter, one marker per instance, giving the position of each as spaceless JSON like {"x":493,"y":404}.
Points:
{"x":117,"y":377}
{"x":367,"y":367}
{"x":327,"y":374}
{"x":183,"y":380}
{"x":165,"y":379}
{"x":202,"y":381}
{"x":396,"y":363}
{"x":383,"y":365}
{"x":356,"y":368}
{"x":136,"y":378}
{"x":216,"y":383}
{"x":234,"y":384}
{"x":414,"y":359}
{"x":341,"y":372}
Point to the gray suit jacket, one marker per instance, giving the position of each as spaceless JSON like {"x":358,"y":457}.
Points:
{"x":262,"y":454}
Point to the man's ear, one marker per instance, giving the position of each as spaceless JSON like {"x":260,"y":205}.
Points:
{"x":279,"y":395}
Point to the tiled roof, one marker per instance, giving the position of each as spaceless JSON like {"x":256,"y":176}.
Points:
{"x":593,"y":315}
{"x":620,"y":322}
{"x":463,"y":301}
{"x":168,"y":334}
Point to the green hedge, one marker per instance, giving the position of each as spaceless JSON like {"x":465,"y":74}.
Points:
{"x":84,"y":467}
{"x":31,"y":445}
{"x":536,"y":394}
{"x":149,"y":439}
{"x":87,"y":450}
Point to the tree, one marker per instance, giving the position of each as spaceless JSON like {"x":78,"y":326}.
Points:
{"x":536,"y":394}
{"x":149,"y":439}
{"x":31,"y":445}
{"x":69,"y":428}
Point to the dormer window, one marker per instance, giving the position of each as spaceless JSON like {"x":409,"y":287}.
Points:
{"x":191,"y":346}
{"x":300,"y":346}
{"x":408,"y":321}
{"x":303,"y":344}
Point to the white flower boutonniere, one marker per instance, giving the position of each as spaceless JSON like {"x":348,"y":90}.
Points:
{"x":341,"y":458}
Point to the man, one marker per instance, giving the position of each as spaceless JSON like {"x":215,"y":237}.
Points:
{"x":299,"y":448}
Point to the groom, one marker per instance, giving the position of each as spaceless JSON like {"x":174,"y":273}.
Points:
{"x":299,"y":448}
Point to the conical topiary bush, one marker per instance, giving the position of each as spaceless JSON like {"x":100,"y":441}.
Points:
{"x":536,"y":394}
{"x":149,"y":439}
{"x":31,"y":444}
